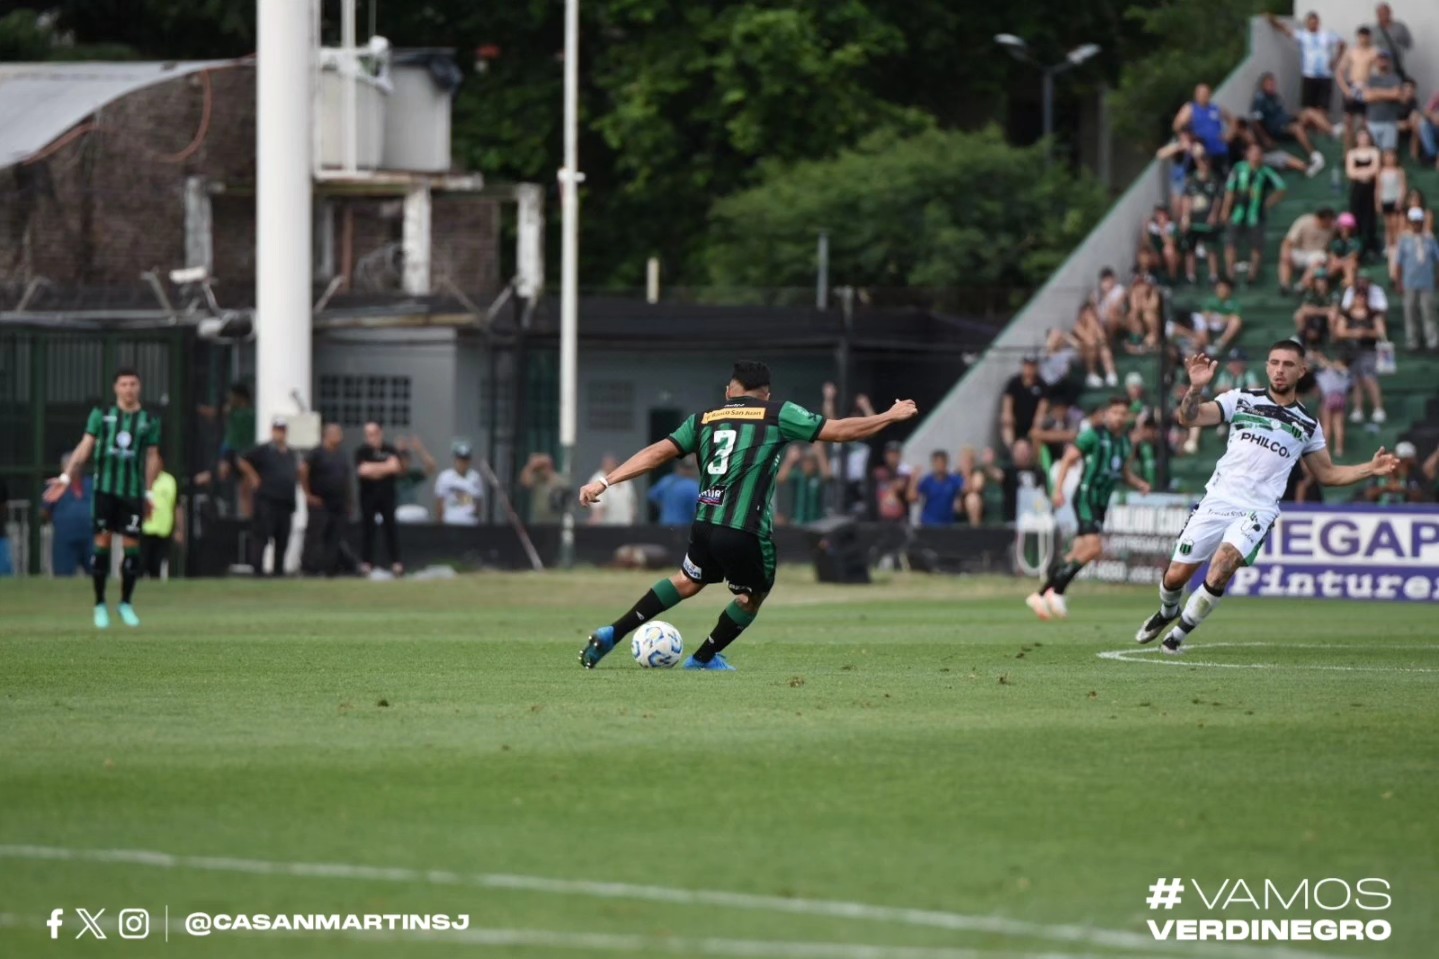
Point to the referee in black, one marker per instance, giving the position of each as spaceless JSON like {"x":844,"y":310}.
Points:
{"x":273,"y":473}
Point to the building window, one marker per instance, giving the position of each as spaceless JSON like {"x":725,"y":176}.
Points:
{"x":611,"y":405}
{"x":357,"y":400}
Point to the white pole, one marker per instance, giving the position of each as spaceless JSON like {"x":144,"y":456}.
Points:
{"x":569,"y":268}
{"x":348,"y":73}
{"x":282,"y":210}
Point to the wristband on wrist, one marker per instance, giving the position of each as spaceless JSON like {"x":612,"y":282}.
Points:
{"x":605,"y":481}
{"x":64,"y":479}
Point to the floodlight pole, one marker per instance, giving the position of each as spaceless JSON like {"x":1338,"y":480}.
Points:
{"x":569,"y":274}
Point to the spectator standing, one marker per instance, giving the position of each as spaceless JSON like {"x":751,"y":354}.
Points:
{"x":272,"y":473}
{"x":1181,"y":153}
{"x":72,"y":530}
{"x":459,"y":491}
{"x":805,"y":485}
{"x":1306,"y":246}
{"x":162,"y":528}
{"x":1391,"y":36}
{"x":238,"y":439}
{"x":1411,"y":267}
{"x":1200,"y":223}
{"x":972,"y":476}
{"x":890,"y":482}
{"x":620,"y":505}
{"x":1352,"y":75}
{"x":1207,"y":120}
{"x":1021,"y":402}
{"x":1416,"y":199}
{"x":1360,"y":330}
{"x":7,"y":564}
{"x":1334,"y":384}
{"x":1427,"y":131}
{"x":1162,"y":236}
{"x":1319,"y":54}
{"x":325,"y":478}
{"x":1055,"y":429}
{"x":1384,"y":102}
{"x":549,"y":489}
{"x":1361,"y":166}
{"x":676,"y":495}
{"x":416,"y":468}
{"x":939,"y":492}
{"x":1253,"y":189}
{"x":378,"y":466}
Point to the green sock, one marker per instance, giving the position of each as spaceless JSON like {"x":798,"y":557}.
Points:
{"x":100,"y":571}
{"x":662,"y":596}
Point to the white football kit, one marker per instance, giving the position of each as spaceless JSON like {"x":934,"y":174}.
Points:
{"x":1241,"y":500}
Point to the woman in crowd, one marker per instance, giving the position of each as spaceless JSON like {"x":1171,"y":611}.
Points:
{"x":1361,"y":166}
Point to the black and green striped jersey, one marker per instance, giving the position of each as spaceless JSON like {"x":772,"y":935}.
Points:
{"x":122,"y":441}
{"x":738,"y":446}
{"x":1105,"y":456}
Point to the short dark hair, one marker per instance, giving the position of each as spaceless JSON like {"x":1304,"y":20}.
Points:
{"x":940,"y":453}
{"x":1325,"y":213}
{"x":240,"y":390}
{"x":125,"y":371}
{"x":1292,"y":345}
{"x":1365,"y":32}
{"x":751,"y":374}
{"x":1106,"y":273}
{"x":1118,"y":401}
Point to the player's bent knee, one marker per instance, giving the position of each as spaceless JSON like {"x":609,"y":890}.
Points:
{"x":750,"y":602}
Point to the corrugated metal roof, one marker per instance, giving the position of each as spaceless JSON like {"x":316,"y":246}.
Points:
{"x":40,"y":101}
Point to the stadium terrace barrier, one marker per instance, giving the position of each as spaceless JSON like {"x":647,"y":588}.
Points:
{"x":969,"y":414}
{"x":956,"y":549}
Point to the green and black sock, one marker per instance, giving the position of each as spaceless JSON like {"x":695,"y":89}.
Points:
{"x":129,"y":572}
{"x":1059,"y":580}
{"x":100,"y":572}
{"x":661,"y":597}
{"x":731,"y":623}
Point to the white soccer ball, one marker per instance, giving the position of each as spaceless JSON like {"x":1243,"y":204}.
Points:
{"x":657,"y":645}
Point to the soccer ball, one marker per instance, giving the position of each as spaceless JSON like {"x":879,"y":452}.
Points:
{"x":657,"y":645}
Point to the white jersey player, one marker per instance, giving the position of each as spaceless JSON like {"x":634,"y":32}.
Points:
{"x":1269,"y":432}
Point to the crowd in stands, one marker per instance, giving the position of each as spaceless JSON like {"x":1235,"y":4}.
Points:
{"x":1199,"y":254}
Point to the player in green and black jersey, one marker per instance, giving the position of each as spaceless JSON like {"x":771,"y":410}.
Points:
{"x":124,"y":441}
{"x":738,"y":445}
{"x":1107,"y":453}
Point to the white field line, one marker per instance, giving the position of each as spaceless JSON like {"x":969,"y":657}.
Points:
{"x":1147,"y":655}
{"x":628,"y":944}
{"x":834,"y":909}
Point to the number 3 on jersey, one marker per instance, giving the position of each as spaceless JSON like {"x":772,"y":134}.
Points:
{"x":724,"y":446}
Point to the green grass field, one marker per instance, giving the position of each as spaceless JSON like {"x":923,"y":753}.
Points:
{"x":917,"y":766}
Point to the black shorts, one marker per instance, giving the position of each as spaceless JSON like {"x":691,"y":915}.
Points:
{"x":1090,"y":511}
{"x":119,"y":514}
{"x":1356,"y":108}
{"x":1316,"y":92}
{"x":719,"y":554}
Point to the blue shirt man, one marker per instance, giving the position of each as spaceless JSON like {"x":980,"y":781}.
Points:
{"x":676,"y":496}
{"x":939,"y":489}
{"x":71,"y":522}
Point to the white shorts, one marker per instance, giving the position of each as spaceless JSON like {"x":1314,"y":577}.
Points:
{"x":1212,"y":524}
{"x":1304,"y":259}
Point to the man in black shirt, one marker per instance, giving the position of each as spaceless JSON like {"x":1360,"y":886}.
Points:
{"x":1023,"y":397}
{"x":325,"y":478}
{"x":271,"y":471}
{"x":378,"y":464}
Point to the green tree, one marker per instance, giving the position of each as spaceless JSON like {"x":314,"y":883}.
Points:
{"x":938,"y":209}
{"x":1159,"y":80}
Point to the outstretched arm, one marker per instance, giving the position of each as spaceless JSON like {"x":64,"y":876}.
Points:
{"x":1324,"y":470}
{"x":1072,"y":455}
{"x":863,"y":427}
{"x":652,"y":456}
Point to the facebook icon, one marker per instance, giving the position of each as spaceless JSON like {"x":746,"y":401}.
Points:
{"x":55,"y":922}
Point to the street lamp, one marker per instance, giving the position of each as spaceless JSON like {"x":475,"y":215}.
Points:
{"x":1020,"y":51}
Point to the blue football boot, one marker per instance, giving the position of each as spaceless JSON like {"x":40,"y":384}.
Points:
{"x":601,"y":642}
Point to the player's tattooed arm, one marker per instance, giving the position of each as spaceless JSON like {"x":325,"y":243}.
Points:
{"x":1188,"y":410}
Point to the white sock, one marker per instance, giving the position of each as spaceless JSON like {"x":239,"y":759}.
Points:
{"x":1201,"y":603}
{"x":1169,"y":600}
